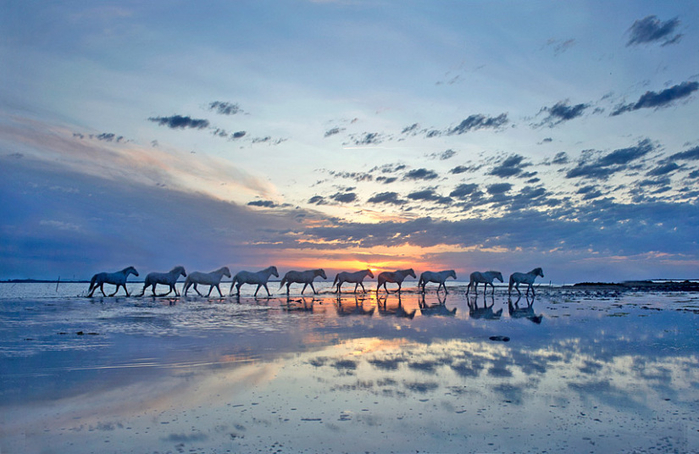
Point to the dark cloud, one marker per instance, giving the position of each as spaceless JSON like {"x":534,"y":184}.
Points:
{"x":367,"y":138}
{"x":611,"y":163}
{"x":410,"y":129}
{"x":651,"y":99}
{"x":430,"y":195}
{"x":387,"y":180}
{"x":238,"y":135}
{"x":499,"y":188}
{"x":421,"y":174}
{"x":663,"y":169}
{"x":390,"y":198}
{"x":109,"y":137}
{"x":460,"y":169}
{"x":356,"y":176}
{"x":511,"y":166}
{"x":650,"y":29}
{"x":333,"y":131}
{"x":225,"y":108}
{"x":344,"y":197}
{"x":562,"y":111}
{"x":464,"y":190}
{"x":688,"y":155}
{"x":262,"y":203}
{"x":443,"y":156}
{"x":180,"y":122}
{"x":590,"y":192}
{"x":560,"y":158}
{"x":317,"y":200}
{"x":478,"y":121}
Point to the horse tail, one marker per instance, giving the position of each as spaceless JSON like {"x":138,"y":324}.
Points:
{"x":512,"y":281}
{"x":337,"y":278}
{"x":92,"y":282}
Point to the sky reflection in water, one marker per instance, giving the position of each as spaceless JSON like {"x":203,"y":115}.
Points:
{"x":581,"y":372}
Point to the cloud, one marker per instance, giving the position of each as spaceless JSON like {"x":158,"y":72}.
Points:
{"x":560,"y":158}
{"x":443,"y":156}
{"x":464,"y":190}
{"x":180,"y":122}
{"x":478,"y":121}
{"x":420,"y":174}
{"x":511,"y":166}
{"x":317,"y":200}
{"x":663,"y":169}
{"x":650,"y":29}
{"x":498,"y":188}
{"x":430,"y":195}
{"x":238,"y":135}
{"x":367,"y":138}
{"x":665,"y":98}
{"x":613,"y":162}
{"x":390,"y":198}
{"x":333,"y":131}
{"x":225,"y":108}
{"x":689,"y":155}
{"x":344,"y":197}
{"x":262,"y":203}
{"x":562,"y":111}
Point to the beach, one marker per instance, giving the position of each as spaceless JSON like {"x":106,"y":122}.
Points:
{"x":588,"y":369}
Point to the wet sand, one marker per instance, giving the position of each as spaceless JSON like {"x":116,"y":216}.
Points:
{"x":577,"y":370}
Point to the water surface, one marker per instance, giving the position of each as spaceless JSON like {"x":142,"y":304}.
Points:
{"x":570,"y":371}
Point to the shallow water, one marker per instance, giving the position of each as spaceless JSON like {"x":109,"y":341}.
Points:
{"x":576,"y":372}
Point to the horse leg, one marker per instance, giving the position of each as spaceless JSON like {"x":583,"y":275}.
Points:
{"x":197,"y":290}
{"x":312,"y":288}
{"x":219,"y":291}
{"x":268,"y":294}
{"x":257,"y":289}
{"x":211,"y":287}
{"x":363,"y":289}
{"x":115,"y":291}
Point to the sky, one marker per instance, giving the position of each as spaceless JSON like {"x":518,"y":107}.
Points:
{"x":465,"y":135}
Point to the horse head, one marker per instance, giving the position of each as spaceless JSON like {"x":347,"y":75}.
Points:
{"x":371,"y":275}
{"x":538,"y":272}
{"x":179,"y":270}
{"x":410,"y":272}
{"x":498,"y":276}
{"x":452,"y":273}
{"x":131,"y":270}
{"x":321,"y":273}
{"x":226,"y":271}
{"x":274,"y":271}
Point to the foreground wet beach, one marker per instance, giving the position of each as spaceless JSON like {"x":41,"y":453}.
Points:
{"x":571,"y":371}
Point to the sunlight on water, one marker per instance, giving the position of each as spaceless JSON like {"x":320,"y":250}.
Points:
{"x":571,"y":371}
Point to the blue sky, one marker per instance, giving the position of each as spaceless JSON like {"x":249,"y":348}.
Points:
{"x":346,"y":134}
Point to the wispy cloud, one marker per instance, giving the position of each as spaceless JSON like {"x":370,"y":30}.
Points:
{"x":650,"y":29}
{"x":560,"y":112}
{"x":180,"y":122}
{"x":664,"y":98}
{"x":225,"y":108}
{"x":613,"y":162}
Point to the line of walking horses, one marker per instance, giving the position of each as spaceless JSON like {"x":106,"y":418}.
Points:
{"x":260,"y":278}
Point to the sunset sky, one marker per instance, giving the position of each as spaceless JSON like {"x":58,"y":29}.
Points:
{"x":466,"y":135}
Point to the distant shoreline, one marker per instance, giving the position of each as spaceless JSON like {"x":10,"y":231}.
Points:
{"x":666,"y":285}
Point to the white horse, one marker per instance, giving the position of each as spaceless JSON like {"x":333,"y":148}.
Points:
{"x":484,"y":278}
{"x":396,"y":277}
{"x":260,"y":278}
{"x":356,"y":278}
{"x":212,"y":279}
{"x":439,"y":277}
{"x":302,"y":277}
{"x":169,"y":279}
{"x":524,"y":278}
{"x":118,"y":278}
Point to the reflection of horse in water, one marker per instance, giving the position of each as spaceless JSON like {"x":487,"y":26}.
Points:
{"x":524,"y":278}
{"x":398,"y":311}
{"x":302,"y":277}
{"x":212,"y":279}
{"x":298,"y":305}
{"x":260,"y":278}
{"x":523,"y":312}
{"x":169,"y":279}
{"x":438,"y":277}
{"x":439,"y":308}
{"x":486,"y":312}
{"x":483,"y":278}
{"x":355,"y":278}
{"x":117,"y":278}
{"x":352,"y":309}
{"x":396,"y":277}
